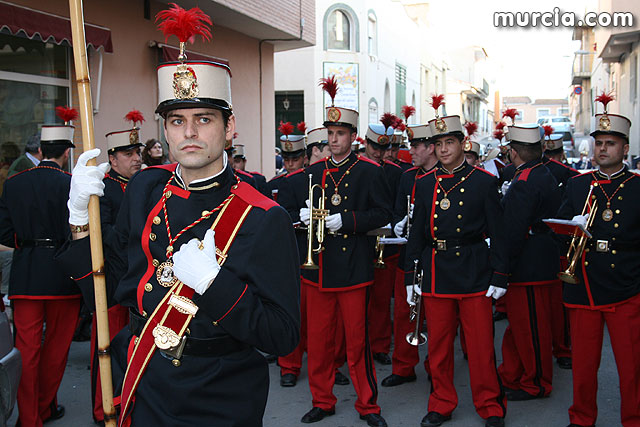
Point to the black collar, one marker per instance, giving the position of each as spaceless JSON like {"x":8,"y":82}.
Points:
{"x":464,"y":166}
{"x":529,"y":164}
{"x":618,"y":174}
{"x":344,"y":161}
{"x":222,"y":180}
{"x":50,"y":164}
{"x":115,"y":175}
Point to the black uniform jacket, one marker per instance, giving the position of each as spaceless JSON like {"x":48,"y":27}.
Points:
{"x":293,"y":192}
{"x":114,"y":186}
{"x":393,"y":173}
{"x":261,"y":183}
{"x":406,"y":187}
{"x":34,"y":219}
{"x":468,"y":266}
{"x":560,"y":171}
{"x":405,"y":166}
{"x":254,"y":299}
{"x":533,"y":195}
{"x":507,"y":173}
{"x":346,"y":262}
{"x":609,"y":274}
{"x":273,"y":186}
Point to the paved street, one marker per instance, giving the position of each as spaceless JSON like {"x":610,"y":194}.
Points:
{"x":401,"y":406}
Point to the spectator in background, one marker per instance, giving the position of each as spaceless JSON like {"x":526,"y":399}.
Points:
{"x":279,"y":161}
{"x":31,"y":157}
{"x":153,"y":154}
{"x":584,"y":162}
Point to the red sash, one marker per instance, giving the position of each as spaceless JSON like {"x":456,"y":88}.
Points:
{"x":167,"y":324}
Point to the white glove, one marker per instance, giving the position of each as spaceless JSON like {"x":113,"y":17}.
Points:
{"x":411,"y":210}
{"x":86,"y":181}
{"x":581,"y":219}
{"x":505,"y":187}
{"x":305,"y":214}
{"x":195,"y":264}
{"x":398,"y":229}
{"x":333,"y":222}
{"x":410,"y":290}
{"x":495,"y":292}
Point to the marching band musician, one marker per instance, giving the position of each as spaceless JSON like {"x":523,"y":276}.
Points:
{"x":456,"y":205}
{"x":193,"y":249}
{"x":405,"y":356}
{"x":358,"y":200}
{"x":609,"y":284}
{"x":293,"y":155}
{"x":239,"y":161}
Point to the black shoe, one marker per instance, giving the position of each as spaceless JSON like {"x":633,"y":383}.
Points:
{"x":382,"y":358}
{"x":316,"y":414}
{"x":494,"y":422}
{"x":564,"y":362}
{"x":57,"y":412}
{"x":499,"y":315}
{"x":374,"y":420}
{"x":288,"y":380}
{"x":341,"y":379}
{"x":517,"y":395}
{"x":394,"y":380}
{"x":433,"y":419}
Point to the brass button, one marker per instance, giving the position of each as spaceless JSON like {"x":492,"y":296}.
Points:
{"x":462,"y":190}
{"x":614,"y":252}
{"x":347,"y":172}
{"x":326,"y":185}
{"x":346,"y":197}
{"x":437,"y":202}
{"x":155,"y":263}
{"x":176,"y":363}
{"x":215,"y":323}
{"x":156,"y":220}
{"x":613,"y":266}
{"x":618,"y":211}
{"x":205,"y":213}
{"x":438,"y":191}
{"x":152,"y":237}
{"x":144,"y":313}
{"x":435,"y":228}
{"x":344,"y":249}
{"x":440,"y":179}
{"x":435,"y":215}
{"x":168,"y":194}
{"x":587,"y":250}
{"x":344,"y":236}
{"x":457,"y":230}
{"x":463,"y":178}
{"x":616,"y":225}
{"x":586,"y":263}
{"x":613,"y":239}
{"x":619,"y":197}
{"x":595,"y":184}
{"x":457,"y":253}
{"x":461,"y":203}
{"x":593,"y":197}
{"x":346,"y":184}
{"x":148,"y":287}
{"x":459,"y":216}
{"x":345,"y":210}
{"x":621,"y":185}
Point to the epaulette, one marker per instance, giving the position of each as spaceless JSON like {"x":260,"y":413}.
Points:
{"x":363,"y":158}
{"x":295,"y":173}
{"x":483,"y":170}
{"x":253,"y":197}
{"x":241,"y":172}
{"x":563,"y":165}
{"x":432,"y":171}
{"x":524,"y":176}
{"x":171,"y":167}
{"x":387,"y":162}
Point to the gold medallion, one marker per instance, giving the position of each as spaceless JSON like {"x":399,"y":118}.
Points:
{"x":336,"y":199}
{"x":134,"y":137}
{"x":467,"y":146}
{"x":288,"y":146}
{"x":441,"y":126}
{"x":333,"y":114}
{"x":604,"y":122}
{"x":445,"y":204}
{"x":185,"y":85}
{"x":607,"y":215}
{"x":165,"y":338}
{"x":164,"y":274}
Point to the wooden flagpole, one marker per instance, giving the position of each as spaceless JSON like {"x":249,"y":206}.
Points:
{"x":95,"y":229}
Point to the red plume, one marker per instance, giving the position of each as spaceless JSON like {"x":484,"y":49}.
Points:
{"x":437,"y":101}
{"x":511,"y":113}
{"x":401,"y":126}
{"x":184,"y":24}
{"x":471,"y":128}
{"x":235,"y":135}
{"x":397,"y":123}
{"x":605,"y":98}
{"x":285,"y":128}
{"x":498,"y":134}
{"x":302,"y":127}
{"x":408,"y":111}
{"x":359,"y":140}
{"x":329,"y":85}
{"x":388,"y":120}
{"x":500,"y":125}
{"x":134,"y":116}
{"x":548,"y":130}
{"x":67,"y":114}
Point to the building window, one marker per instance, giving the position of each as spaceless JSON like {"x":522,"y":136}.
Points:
{"x":633,"y":77}
{"x":372,"y":34}
{"x":542,"y":112}
{"x":34,"y":80}
{"x":563,"y":111}
{"x":520,"y":115}
{"x":339,"y":31}
{"x":373,"y":111}
{"x":401,"y":87}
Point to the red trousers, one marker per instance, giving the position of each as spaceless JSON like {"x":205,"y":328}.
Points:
{"x":118,"y":319}
{"x":380,"y":306}
{"x":559,"y":324}
{"x":623,"y":324}
{"x":42,"y":363}
{"x":475,"y":314}
{"x":405,"y":356}
{"x":292,"y":362}
{"x":322,"y":310}
{"x":527,"y":363}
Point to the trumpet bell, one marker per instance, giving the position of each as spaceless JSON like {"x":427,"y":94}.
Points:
{"x":568,"y":277}
{"x":416,"y":339}
{"x":380,"y":265}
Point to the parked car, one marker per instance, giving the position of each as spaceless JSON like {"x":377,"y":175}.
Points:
{"x":563,"y":125}
{"x":10,"y":368}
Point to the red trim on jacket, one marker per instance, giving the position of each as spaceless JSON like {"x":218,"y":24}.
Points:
{"x":234,"y":304}
{"x":171,"y":167}
{"x":484,"y":170}
{"x":524,"y":175}
{"x":253,"y":197}
{"x":147,"y":253}
{"x":370,"y":161}
{"x":391,"y":163}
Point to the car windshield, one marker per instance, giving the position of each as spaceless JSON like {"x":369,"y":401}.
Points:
{"x":560,"y":119}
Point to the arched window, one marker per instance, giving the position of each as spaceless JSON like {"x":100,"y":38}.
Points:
{"x":373,"y":111}
{"x":341,"y":28}
{"x":372,"y":34}
{"x":339,"y":31}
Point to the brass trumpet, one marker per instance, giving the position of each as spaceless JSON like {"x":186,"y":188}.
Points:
{"x":578,"y":243}
{"x":317,"y":216}
{"x":380,"y":251}
{"x":408,"y":215}
{"x":416,"y":337}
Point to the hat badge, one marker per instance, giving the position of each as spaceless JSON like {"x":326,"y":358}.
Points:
{"x":550,"y":145}
{"x":185,"y":84}
{"x":383,"y":140}
{"x":441,"y":126}
{"x":410,"y":133}
{"x":333,"y":114}
{"x":134,"y":136}
{"x":605,"y":98}
{"x":288,"y":146}
{"x":604,"y":122}
{"x":467,"y":145}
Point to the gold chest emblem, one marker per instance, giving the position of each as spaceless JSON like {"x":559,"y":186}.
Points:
{"x":333,"y":114}
{"x":185,"y":84}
